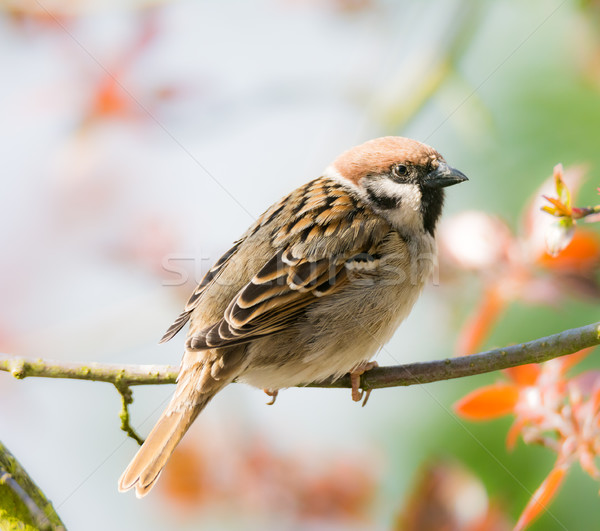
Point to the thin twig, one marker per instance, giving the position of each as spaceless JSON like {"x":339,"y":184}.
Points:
{"x":126,"y":400}
{"x":535,"y":351}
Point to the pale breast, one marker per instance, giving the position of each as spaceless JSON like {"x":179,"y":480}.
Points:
{"x":350,"y":326}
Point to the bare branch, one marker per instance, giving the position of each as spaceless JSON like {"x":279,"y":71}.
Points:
{"x":127,"y":375}
{"x":537,"y":351}
{"x":124,"y":376}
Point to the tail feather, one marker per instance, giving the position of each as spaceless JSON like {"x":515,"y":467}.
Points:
{"x":145,"y":467}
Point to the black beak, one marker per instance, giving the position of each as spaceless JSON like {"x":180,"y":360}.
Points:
{"x":444,"y":176}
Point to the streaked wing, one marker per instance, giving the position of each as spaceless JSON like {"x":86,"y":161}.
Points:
{"x":195,"y":297}
{"x":221,"y":264}
{"x":271,"y":300}
{"x":328,"y":227}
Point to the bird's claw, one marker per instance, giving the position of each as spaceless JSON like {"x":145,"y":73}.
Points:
{"x":357,"y":372}
{"x":273,"y":394}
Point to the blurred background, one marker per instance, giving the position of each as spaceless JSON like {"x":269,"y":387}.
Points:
{"x":139,"y":139}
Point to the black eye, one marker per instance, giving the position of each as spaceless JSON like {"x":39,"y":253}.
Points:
{"x":400,"y":170}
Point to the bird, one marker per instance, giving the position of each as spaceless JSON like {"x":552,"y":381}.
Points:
{"x":312,"y":290}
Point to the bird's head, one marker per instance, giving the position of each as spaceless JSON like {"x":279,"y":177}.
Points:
{"x":401,"y":179}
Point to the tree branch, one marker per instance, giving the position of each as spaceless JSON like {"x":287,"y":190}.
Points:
{"x":115,"y":374}
{"x":22,"y":504}
{"x":125,"y":376}
{"x":537,"y":351}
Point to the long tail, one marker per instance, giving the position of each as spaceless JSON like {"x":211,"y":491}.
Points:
{"x":203,"y":374}
{"x":145,"y":467}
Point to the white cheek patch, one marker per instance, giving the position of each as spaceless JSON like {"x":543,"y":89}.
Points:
{"x":407,"y":215}
{"x":408,"y":195}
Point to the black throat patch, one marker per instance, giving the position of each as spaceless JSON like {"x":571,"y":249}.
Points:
{"x":432,"y":201}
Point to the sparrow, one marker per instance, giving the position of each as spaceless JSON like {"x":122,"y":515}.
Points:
{"x":312,"y":290}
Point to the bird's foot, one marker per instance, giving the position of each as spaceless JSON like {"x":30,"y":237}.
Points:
{"x":357,"y":372}
{"x":273,"y":394}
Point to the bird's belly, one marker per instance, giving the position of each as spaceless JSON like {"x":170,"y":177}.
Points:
{"x":337,"y":334}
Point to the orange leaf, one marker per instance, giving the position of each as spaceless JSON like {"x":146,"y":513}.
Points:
{"x":513,"y":433}
{"x":489,"y":402}
{"x":524,"y":375}
{"x":479,"y":325}
{"x":582,"y":254}
{"x":542,"y":497}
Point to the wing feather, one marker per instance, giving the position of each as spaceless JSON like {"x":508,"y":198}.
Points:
{"x":194,"y":299}
{"x":326,"y":228}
